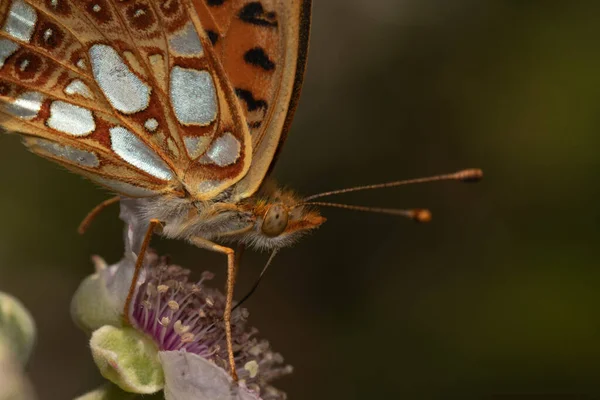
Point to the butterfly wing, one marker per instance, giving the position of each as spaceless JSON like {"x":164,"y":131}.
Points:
{"x":129,"y":94}
{"x":262,"y":46}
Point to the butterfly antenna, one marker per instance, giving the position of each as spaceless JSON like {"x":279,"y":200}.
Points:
{"x":416,"y":214}
{"x":255,"y":286}
{"x":87,"y":221}
{"x":466,"y":175}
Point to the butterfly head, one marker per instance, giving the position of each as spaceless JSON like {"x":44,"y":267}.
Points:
{"x":280,"y":219}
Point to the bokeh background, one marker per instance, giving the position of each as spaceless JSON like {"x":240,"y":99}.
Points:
{"x":498,"y":296}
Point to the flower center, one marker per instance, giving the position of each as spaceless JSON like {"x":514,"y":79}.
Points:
{"x":177,"y":314}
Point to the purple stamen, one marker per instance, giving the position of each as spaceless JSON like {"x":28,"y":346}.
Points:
{"x":180,"y":315}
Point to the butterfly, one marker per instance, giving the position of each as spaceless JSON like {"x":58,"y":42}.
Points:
{"x":182,"y":105}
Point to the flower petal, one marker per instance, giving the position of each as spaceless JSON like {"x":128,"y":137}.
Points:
{"x":135,"y":231}
{"x":135,"y":225}
{"x":191,"y":377}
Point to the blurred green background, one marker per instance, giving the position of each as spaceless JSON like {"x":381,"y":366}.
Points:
{"x":497,"y":296}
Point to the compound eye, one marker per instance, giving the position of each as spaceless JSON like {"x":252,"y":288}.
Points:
{"x":275,"y":221}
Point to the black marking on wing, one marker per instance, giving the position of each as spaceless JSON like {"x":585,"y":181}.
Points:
{"x":254,"y":13}
{"x":252,"y":103}
{"x":213,"y":36}
{"x":215,"y":3}
{"x":257,"y":56}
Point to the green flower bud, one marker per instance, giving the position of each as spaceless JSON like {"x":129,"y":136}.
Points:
{"x":127,"y":358}
{"x":17,"y":329}
{"x":100,"y":298}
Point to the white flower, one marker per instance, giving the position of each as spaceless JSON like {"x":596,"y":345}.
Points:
{"x":176,"y":338}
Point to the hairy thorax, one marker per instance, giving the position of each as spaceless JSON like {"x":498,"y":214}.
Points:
{"x":224,"y":220}
{"x":184,"y":218}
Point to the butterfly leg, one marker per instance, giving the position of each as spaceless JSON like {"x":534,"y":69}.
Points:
{"x":138,"y":267}
{"x":231,"y":272}
{"x":87,"y":221}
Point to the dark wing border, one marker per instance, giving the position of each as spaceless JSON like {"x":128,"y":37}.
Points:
{"x":303,"y":44}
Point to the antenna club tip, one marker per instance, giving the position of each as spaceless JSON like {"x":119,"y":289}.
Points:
{"x":83,"y":228}
{"x":421,"y":215}
{"x":470,"y":175}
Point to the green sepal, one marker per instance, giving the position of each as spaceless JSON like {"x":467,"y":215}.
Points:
{"x":127,"y":358}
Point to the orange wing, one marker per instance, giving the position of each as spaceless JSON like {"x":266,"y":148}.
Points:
{"x":262,"y":46}
{"x":129,"y":94}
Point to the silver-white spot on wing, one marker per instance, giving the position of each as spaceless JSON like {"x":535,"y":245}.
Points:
{"x":224,"y":151}
{"x":186,"y":42}
{"x":68,"y":153}
{"x":139,"y":13}
{"x":71,"y":119}
{"x":48,"y":33}
{"x":193,"y":96}
{"x":131,"y":149}
{"x":24,"y":64}
{"x":123,"y":187}
{"x":151,"y":124}
{"x":81,"y":64}
{"x":208,"y":186}
{"x":20,"y":22}
{"x":196,"y":145}
{"x":7,"y":49}
{"x":123,"y":89}
{"x":77,"y":86}
{"x":26,"y":106}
